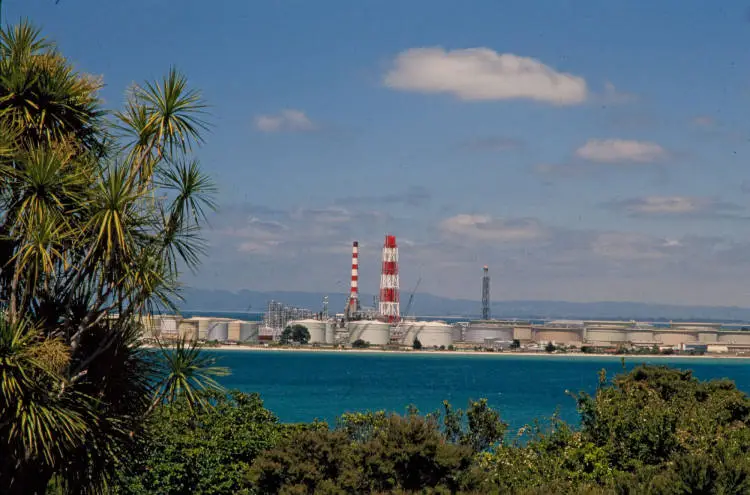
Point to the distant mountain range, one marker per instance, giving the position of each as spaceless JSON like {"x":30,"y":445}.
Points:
{"x":431,"y":305}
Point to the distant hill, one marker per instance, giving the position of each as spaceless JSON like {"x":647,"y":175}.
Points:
{"x":431,"y":305}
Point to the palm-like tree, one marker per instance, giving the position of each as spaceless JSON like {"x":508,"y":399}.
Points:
{"x":97,"y":214}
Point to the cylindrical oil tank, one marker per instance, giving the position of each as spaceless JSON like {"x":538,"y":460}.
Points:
{"x":606,"y":335}
{"x":188,"y":329}
{"x":708,"y":336}
{"x":432,"y":334}
{"x":675,"y":338}
{"x":374,"y":332}
{"x":316,"y":328}
{"x":203,"y":326}
{"x":330,"y":332}
{"x":151,"y":327}
{"x":739,"y":338}
{"x":457,"y":331}
{"x":558,"y":335}
{"x":168,"y":326}
{"x":477,"y":333}
{"x":640,"y":336}
{"x":218,"y":330}
{"x":410,"y":331}
{"x":233,"y":334}
{"x":522,"y":332}
{"x":249,"y":331}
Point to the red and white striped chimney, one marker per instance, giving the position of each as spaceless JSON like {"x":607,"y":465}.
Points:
{"x":354,"y":291}
{"x":389,"y":290}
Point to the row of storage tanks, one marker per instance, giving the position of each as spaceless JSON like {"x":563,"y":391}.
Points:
{"x":203,"y":328}
{"x":431,"y":334}
{"x":436,"y":333}
{"x":377,"y":333}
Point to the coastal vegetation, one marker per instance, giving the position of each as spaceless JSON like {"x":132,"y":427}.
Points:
{"x":650,"y":430}
{"x":99,"y":210}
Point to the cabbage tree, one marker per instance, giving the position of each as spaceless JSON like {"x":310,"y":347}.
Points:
{"x":99,"y":212}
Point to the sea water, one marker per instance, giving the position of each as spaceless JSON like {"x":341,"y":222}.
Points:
{"x":303,"y":386}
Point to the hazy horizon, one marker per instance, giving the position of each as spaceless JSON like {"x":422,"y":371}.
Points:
{"x":584,"y":151}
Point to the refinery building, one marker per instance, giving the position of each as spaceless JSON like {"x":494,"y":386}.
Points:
{"x":384,"y":325}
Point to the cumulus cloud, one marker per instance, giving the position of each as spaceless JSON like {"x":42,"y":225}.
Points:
{"x":285,"y":121}
{"x":477,"y":74}
{"x":486,"y":228}
{"x":620,"y":150}
{"x":674,"y":206}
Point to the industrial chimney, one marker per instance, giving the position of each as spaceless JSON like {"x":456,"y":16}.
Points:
{"x":486,"y":293}
{"x":353,"y":305}
{"x":389,"y":291}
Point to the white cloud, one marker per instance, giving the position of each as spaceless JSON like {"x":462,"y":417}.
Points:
{"x":623,"y":246}
{"x":267,"y":247}
{"x":620,"y":150}
{"x":486,"y":228}
{"x":483,"y":74}
{"x":676,"y":206}
{"x":286,"y":120}
{"x":668,"y":204}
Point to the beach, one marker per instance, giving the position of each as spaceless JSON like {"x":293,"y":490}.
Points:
{"x":259,"y":348}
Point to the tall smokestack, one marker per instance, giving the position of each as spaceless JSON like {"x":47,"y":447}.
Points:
{"x":353,"y":306}
{"x":486,"y":293}
{"x":389,"y":291}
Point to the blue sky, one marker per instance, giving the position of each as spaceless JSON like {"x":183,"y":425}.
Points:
{"x":585,"y":150}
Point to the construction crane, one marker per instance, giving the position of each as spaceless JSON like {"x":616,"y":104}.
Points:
{"x":411,"y":298}
{"x":397,"y":331}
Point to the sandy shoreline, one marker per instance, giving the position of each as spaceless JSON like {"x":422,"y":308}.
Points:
{"x":462,"y":353}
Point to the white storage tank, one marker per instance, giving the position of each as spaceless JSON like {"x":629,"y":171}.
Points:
{"x":316,"y":328}
{"x":218,"y":330}
{"x":168,"y":326}
{"x":151,"y":327}
{"x":372,"y":331}
{"x":737,"y":338}
{"x":641,"y":336}
{"x":203,"y":325}
{"x":457,"y":333}
{"x":559,"y":335}
{"x":430,"y":334}
{"x":477,"y":333}
{"x":249,"y":331}
{"x":606,"y":335}
{"x":675,"y":337}
{"x":330,"y":332}
{"x":233,"y":334}
{"x":188,"y":329}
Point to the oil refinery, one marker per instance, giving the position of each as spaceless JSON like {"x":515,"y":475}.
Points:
{"x":385,"y":325}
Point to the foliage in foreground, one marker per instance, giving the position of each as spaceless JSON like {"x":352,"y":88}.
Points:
{"x":654,"y":430}
{"x":98,"y":210}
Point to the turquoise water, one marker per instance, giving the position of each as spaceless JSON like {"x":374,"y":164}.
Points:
{"x":302,"y":386}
